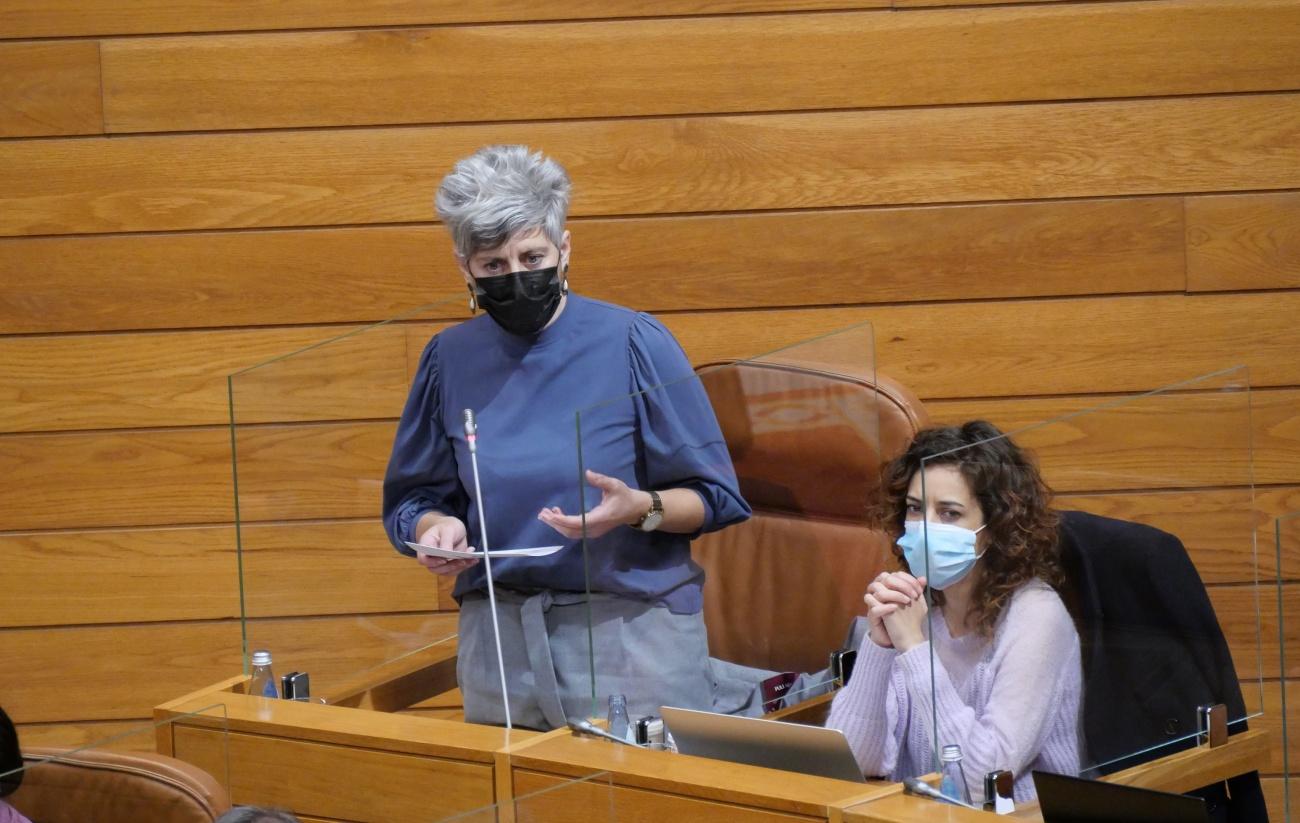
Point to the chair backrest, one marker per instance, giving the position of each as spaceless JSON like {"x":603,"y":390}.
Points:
{"x":116,"y":787}
{"x":782,"y":589}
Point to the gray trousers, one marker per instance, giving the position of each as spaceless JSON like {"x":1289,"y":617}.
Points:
{"x":645,"y":652}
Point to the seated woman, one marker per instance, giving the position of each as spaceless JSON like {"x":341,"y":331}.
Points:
{"x":11,"y":764}
{"x":1006,"y":670}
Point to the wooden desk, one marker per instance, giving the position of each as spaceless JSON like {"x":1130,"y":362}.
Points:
{"x":335,"y":763}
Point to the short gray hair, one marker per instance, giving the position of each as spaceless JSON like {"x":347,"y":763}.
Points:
{"x":256,"y":814}
{"x":500,"y":190}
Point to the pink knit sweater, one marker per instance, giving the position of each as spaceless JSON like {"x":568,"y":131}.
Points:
{"x":1010,"y":702}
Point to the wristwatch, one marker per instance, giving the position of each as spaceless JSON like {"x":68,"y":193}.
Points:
{"x":653,"y":517}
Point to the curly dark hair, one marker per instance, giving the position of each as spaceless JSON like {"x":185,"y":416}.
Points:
{"x":1022,"y":526}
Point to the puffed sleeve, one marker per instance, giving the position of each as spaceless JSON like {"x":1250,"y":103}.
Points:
{"x":684,"y":447}
{"x":421,"y":474}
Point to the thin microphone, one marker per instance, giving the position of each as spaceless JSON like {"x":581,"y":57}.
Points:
{"x":915,"y":785}
{"x":585,"y":727}
{"x":471,"y":430}
{"x":471,"y":435}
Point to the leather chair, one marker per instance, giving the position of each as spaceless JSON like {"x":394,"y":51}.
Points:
{"x":783,"y":588}
{"x":115,"y":787}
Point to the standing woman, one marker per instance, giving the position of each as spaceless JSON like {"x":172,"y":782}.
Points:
{"x":1005,"y":655}
{"x":537,"y":356}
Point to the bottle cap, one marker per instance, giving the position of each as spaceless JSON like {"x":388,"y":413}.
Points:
{"x":951,"y":753}
{"x":261,"y":657}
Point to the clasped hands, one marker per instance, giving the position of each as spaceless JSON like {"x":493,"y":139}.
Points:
{"x":619,"y":505}
{"x":896,"y":610}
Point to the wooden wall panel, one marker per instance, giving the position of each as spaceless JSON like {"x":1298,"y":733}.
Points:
{"x":98,"y":480}
{"x":191,"y":573}
{"x":648,"y":67}
{"x":1047,"y":347}
{"x":635,"y":166}
{"x":122,"y":671}
{"x":1243,"y":242}
{"x":147,"y":281}
{"x":331,"y":568}
{"x":1017,"y":259}
{"x":70,"y":577}
{"x":714,"y":262}
{"x":1227,"y":532}
{"x":1248,"y":616}
{"x":313,"y":471}
{"x":1174,"y":441}
{"x":129,"y":669}
{"x":49,"y":88}
{"x":151,"y":379}
{"x":53,"y":18}
{"x":329,"y":373}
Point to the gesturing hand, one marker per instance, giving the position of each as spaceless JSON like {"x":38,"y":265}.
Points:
{"x":892,"y":600}
{"x":620,"y":505}
{"x":446,"y":533}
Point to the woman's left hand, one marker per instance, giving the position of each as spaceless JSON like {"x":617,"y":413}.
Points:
{"x":620,"y":505}
{"x":906,"y":624}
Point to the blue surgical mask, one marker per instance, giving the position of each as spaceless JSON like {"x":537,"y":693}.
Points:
{"x":952,"y":551}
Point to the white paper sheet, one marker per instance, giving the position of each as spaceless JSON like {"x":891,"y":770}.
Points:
{"x":448,"y":554}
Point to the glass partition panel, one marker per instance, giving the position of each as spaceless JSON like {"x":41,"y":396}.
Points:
{"x":544,"y":798}
{"x":321,"y":586}
{"x":776,"y":456}
{"x":1286,"y":554}
{"x":121,"y":772}
{"x":1107,"y":669}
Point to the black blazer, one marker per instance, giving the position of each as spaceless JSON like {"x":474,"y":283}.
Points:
{"x":1152,"y":650}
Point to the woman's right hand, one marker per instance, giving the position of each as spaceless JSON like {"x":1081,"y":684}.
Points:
{"x":444,"y":532}
{"x":889,"y":592}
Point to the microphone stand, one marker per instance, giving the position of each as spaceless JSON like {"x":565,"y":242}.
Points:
{"x":471,"y":437}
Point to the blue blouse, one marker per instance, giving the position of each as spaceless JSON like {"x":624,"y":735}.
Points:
{"x":644,"y":419}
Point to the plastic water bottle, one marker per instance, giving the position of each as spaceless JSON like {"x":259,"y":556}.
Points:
{"x":618,"y":720}
{"x":263,"y":683}
{"x":954,"y":776}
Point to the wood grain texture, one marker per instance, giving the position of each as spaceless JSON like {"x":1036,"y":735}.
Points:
{"x":301,"y":472}
{"x":1151,"y":442}
{"x":633,"y":166}
{"x":175,"y":281}
{"x":716,"y":262}
{"x":1243,"y":242}
{"x":1227,"y":532}
{"x":111,"y":736}
{"x":49,"y":89}
{"x":192,"y":573}
{"x":304,"y":776}
{"x":151,"y":379}
{"x":313,"y":471}
{"x":96,"y":480}
{"x":54,"y":18}
{"x":539,"y":796}
{"x":666,"y":67}
{"x":331,"y":568}
{"x":117,"y":668}
{"x":1248,"y":616}
{"x":112,"y":672}
{"x":118,"y":576}
{"x":1275,"y":795}
{"x":1126,"y":344}
{"x":1068,"y":346}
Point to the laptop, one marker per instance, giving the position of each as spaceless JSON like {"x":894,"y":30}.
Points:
{"x":1079,"y":800}
{"x":751,"y":740}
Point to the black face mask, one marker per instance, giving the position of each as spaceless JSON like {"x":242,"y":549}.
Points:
{"x":521,"y":302}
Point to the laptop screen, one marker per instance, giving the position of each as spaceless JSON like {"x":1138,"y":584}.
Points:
{"x":757,"y":742}
{"x":1065,"y":799}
